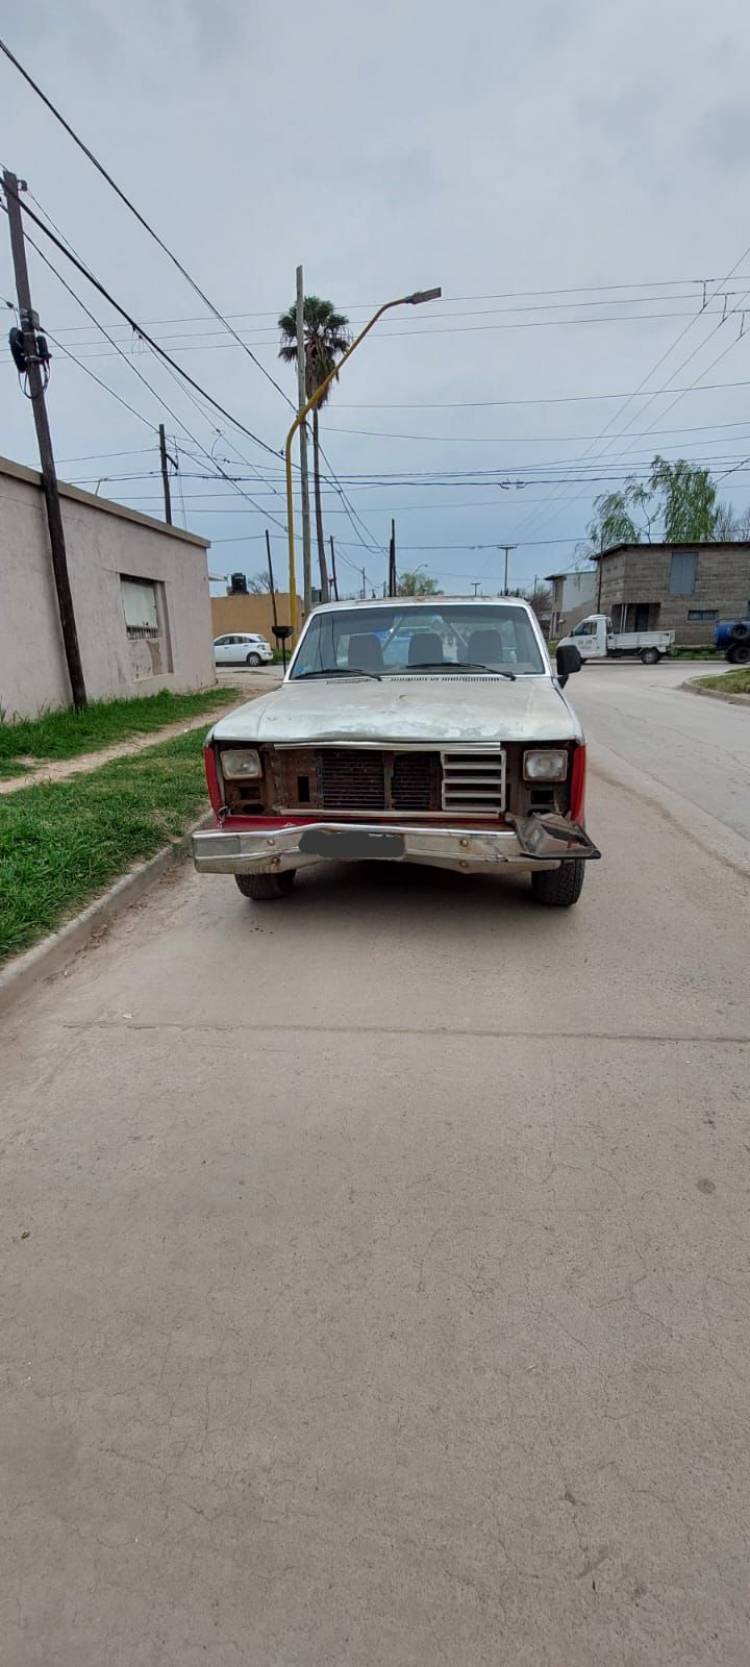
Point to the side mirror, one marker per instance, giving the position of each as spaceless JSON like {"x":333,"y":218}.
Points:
{"x":568,"y":660}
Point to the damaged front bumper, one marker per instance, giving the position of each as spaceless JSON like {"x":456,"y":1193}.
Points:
{"x":529,"y":843}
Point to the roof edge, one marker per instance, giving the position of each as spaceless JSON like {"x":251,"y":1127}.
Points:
{"x":32,"y":477}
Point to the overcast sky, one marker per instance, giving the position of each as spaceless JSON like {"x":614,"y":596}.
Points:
{"x":496,"y":150}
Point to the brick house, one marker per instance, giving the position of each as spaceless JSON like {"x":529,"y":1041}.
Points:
{"x":684,"y":588}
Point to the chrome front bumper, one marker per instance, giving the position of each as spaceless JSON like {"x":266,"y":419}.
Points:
{"x":257,"y":851}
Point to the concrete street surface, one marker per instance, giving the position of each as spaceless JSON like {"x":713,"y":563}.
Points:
{"x":376,"y":1263}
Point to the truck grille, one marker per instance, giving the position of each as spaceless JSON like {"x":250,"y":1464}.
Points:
{"x":473,"y":781}
{"x":363,"y":779}
{"x":351,"y":780}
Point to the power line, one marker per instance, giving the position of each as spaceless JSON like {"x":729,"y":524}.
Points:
{"x":140,"y":217}
{"x":502,"y":295}
{"x":154,"y":345}
{"x":626,"y":301}
{"x":391,"y":335}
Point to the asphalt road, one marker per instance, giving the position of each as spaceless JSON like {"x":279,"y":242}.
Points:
{"x":385,"y":1296}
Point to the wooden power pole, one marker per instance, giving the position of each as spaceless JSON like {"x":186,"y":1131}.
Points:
{"x":304,"y":478}
{"x":392,"y":580}
{"x":30,"y":360}
{"x":334,"y":580}
{"x":165,"y":475}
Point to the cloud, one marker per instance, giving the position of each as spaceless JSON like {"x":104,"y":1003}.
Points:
{"x":494,"y":150}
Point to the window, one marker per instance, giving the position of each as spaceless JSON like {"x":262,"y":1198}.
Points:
{"x":391,"y":641}
{"x":144,"y":606}
{"x":587,"y":628}
{"x":141,"y":607}
{"x":697,"y":614}
{"x":683,"y":572}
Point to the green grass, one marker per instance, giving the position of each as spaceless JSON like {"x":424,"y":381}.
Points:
{"x":59,"y":735}
{"x":62,"y":842}
{"x":735,"y":682}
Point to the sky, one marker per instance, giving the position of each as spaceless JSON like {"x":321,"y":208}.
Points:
{"x":573,"y":175}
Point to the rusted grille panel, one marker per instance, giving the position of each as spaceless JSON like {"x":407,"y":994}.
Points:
{"x":415,"y":784}
{"x":351,"y":780}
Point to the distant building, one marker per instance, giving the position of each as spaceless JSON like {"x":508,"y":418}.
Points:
{"x":140,"y":595}
{"x":573,"y":597}
{"x":244,"y":611}
{"x":683,"y":588}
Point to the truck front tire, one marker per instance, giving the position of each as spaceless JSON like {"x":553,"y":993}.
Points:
{"x":559,"y":888}
{"x":266,"y":888}
{"x":739,"y":653}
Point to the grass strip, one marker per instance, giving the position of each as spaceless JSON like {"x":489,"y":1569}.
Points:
{"x":58,"y":735}
{"x":729,"y":682}
{"x":63,"y":842}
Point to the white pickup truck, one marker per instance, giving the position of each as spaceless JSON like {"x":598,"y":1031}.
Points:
{"x":596,"y":640}
{"x":423,"y":730}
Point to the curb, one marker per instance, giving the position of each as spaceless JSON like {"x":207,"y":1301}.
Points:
{"x":55,"y":951}
{"x":694,"y":688}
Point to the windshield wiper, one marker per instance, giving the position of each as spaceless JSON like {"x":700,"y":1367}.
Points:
{"x":459,"y":665}
{"x":337,"y":671}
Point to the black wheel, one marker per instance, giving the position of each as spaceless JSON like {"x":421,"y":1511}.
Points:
{"x":650,"y":656}
{"x":253,"y":660}
{"x":266,"y":888}
{"x":740,"y":631}
{"x":739,"y":653}
{"x":559,"y":888}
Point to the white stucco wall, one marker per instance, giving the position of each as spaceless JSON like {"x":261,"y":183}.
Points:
{"x":104,"y":541}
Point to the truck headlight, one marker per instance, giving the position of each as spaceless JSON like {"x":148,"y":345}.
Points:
{"x":550,"y":765}
{"x":240,"y":762}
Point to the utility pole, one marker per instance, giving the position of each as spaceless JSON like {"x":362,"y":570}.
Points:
{"x":270,"y":577}
{"x":301,"y":403}
{"x":364,"y":584}
{"x":334,"y":580}
{"x":165,"y":475}
{"x":476,"y":583}
{"x":32,"y":354}
{"x":507,"y":548}
{"x":392,"y":579}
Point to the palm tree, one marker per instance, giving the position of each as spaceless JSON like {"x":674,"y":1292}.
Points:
{"x":326,"y":338}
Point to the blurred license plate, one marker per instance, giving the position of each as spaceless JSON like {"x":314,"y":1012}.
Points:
{"x":351,"y":845}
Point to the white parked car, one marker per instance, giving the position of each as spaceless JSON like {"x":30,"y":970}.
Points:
{"x":243,"y":648}
{"x":425,"y":730}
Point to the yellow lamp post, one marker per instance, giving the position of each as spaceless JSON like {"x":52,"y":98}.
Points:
{"x":414,"y":300}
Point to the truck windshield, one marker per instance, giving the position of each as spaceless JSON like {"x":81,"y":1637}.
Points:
{"x":444,"y":637}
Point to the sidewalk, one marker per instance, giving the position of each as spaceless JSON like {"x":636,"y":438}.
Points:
{"x":62,"y":769}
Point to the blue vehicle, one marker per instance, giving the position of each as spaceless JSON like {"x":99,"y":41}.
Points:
{"x":733,"y":635}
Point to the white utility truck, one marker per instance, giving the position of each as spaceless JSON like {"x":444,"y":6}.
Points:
{"x":595,"y":639}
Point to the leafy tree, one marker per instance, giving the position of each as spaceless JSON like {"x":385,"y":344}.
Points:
{"x":677,"y":502}
{"x":417,"y":584}
{"x":688,"y":500}
{"x":326,"y":339}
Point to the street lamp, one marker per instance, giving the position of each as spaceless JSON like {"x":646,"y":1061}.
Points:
{"x":414,"y":300}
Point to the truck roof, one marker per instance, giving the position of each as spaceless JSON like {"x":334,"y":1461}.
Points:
{"x":420,"y":602}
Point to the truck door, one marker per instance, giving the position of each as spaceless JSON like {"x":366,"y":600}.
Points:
{"x":587,"y":637}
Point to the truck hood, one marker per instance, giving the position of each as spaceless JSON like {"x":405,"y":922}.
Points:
{"x":429,"y":708}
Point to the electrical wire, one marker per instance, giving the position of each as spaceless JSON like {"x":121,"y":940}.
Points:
{"x":140,"y":331}
{"x":140,"y":217}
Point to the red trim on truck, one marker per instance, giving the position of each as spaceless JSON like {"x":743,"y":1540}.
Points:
{"x":578,"y":786}
{"x":212,"y":779}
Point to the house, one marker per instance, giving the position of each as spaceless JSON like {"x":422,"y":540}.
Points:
{"x":683,"y":588}
{"x":140,"y":597}
{"x":573,"y":597}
